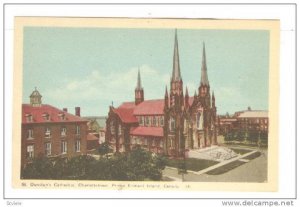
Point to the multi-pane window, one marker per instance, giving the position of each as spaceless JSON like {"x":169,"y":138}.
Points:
{"x":30,"y":151}
{"x":112,"y":128}
{"x":141,"y":120}
{"x":198,"y":116}
{"x":47,"y":132}
{"x":77,"y":130}
{"x":147,"y":120}
{"x":161,"y":121}
{"x":30,"y":134}
{"x":63,"y":131}
{"x":63,"y":147}
{"x":145,"y":141}
{"x":154,"y":121}
{"x":48,"y":149}
{"x":77,"y":146}
{"x":172,"y":124}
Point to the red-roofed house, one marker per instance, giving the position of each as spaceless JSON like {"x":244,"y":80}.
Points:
{"x":171,"y":125}
{"x":49,"y":131}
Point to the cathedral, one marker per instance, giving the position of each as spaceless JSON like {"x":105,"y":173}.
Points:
{"x":172,"y":125}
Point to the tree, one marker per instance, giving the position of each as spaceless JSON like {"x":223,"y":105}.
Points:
{"x":104,"y":149}
{"x":40,"y":168}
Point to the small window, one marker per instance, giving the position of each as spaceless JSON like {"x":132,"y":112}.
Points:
{"x":63,"y":131}
{"x":29,"y":134}
{"x":172,"y":125}
{"x":48,"y":149}
{"x":145,"y":141}
{"x":154,"y":121}
{"x":77,"y":146}
{"x":147,"y":120}
{"x":120,"y":129}
{"x":46,"y":117}
{"x":47,"y":132}
{"x":28,"y":117}
{"x":77,"y":130}
{"x":30,"y":151}
{"x":161,"y":121}
{"x":63,"y":147}
{"x":161,"y":143}
{"x":141,"y":120}
{"x":112,"y":127}
{"x":62,"y":116}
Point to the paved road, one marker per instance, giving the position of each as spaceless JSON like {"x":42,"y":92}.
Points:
{"x":253,"y":171}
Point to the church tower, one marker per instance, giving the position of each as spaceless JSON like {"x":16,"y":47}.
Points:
{"x":139,"y":91}
{"x":204,"y":83}
{"x":35,"y":98}
{"x":176,"y":90}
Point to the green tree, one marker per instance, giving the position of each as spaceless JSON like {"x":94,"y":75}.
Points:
{"x":40,"y":168}
{"x":104,"y":149}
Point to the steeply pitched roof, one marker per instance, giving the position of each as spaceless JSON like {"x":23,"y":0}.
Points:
{"x":38,"y":112}
{"x":150,"y":107}
{"x":176,"y":76}
{"x":126,"y":115}
{"x":204,"y":78}
{"x":147,"y":131}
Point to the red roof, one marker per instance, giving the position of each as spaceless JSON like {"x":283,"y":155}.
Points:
{"x":150,"y":107}
{"x":126,"y":115}
{"x":127,"y":105}
{"x":91,"y":137}
{"x":147,"y":131}
{"x":37,"y":113}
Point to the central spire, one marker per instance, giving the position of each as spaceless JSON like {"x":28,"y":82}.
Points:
{"x":204,"y":78}
{"x":176,"y":76}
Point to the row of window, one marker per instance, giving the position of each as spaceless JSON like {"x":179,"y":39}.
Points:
{"x":48,"y":148}
{"x":46,"y":117}
{"x":145,"y":141}
{"x":63,"y":132}
{"x":151,"y":121}
{"x":257,"y":120}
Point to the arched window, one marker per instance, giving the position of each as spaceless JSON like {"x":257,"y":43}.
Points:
{"x":198,"y":120}
{"x":172,"y":124}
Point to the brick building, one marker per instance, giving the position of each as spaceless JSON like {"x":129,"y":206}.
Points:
{"x":51,"y":132}
{"x":170,"y":125}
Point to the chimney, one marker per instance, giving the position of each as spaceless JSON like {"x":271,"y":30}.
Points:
{"x":77,"y":111}
{"x":65,"y":109}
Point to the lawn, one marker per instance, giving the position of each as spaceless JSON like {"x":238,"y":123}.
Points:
{"x":192,"y":164}
{"x":225,"y":168}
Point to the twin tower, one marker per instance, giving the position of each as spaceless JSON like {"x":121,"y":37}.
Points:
{"x":189,"y":122}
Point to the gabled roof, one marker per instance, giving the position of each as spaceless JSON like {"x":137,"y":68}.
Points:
{"x":38,"y":112}
{"x":91,"y":137}
{"x":147,"y":131}
{"x":150,"y":107}
{"x":126,"y":115}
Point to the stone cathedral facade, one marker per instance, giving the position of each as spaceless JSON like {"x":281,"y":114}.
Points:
{"x":172,"y":125}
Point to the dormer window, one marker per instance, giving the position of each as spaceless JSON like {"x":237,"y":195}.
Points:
{"x":62,"y":116}
{"x":46,"y":116}
{"x":28,"y":118}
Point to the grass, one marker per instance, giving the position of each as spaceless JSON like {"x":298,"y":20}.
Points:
{"x":240,"y":151}
{"x":192,"y":164}
{"x":225,"y":168}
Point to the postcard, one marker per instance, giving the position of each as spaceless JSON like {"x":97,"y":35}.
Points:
{"x":146,"y":104}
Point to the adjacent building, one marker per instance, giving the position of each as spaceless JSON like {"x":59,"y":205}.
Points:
{"x":49,"y":131}
{"x":171,"y":125}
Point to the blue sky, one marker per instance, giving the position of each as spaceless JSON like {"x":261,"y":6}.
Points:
{"x":91,"y":67}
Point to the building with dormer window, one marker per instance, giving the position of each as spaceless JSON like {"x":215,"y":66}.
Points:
{"x":49,"y":131}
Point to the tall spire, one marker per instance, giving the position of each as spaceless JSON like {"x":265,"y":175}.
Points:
{"x":176,"y":66}
{"x":139,"y":82}
{"x":204,"y":78}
